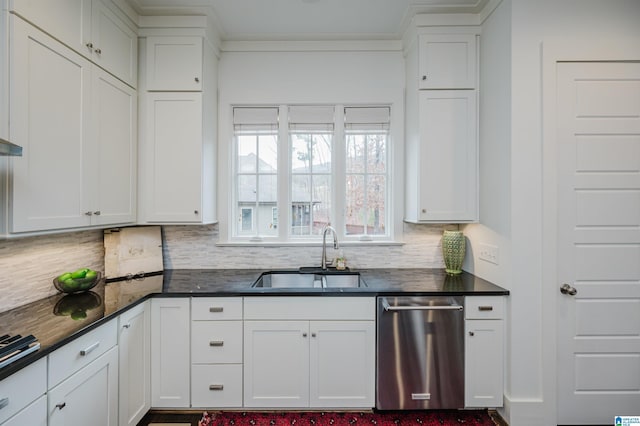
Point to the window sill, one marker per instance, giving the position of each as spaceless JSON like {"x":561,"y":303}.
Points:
{"x":308,"y":244}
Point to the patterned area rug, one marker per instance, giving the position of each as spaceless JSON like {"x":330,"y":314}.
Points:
{"x":422,"y":418}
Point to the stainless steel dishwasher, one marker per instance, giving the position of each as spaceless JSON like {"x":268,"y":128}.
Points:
{"x":420,"y":353}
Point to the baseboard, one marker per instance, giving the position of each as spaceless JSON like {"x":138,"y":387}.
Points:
{"x":526,"y":412}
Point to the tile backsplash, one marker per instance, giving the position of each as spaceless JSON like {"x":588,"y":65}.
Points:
{"x":28,"y":265}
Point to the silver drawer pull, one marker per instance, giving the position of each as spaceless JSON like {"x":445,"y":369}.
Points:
{"x":4,"y":402}
{"x":216,"y":343}
{"x":216,"y":309}
{"x":387,"y":307}
{"x":90,"y":349}
{"x":216,"y":387}
{"x":485,"y":308}
{"x":420,"y":396}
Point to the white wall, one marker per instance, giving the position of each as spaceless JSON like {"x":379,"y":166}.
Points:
{"x":602,"y":25}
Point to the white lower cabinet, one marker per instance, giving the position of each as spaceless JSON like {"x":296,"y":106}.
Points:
{"x":308,"y":352}
{"x":35,"y":414}
{"x":89,"y":396}
{"x":170,"y":355}
{"x":18,"y":393}
{"x":134,"y":341}
{"x":484,"y":351}
{"x":216,"y":352}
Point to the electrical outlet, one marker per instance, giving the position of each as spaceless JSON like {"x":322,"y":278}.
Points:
{"x":488,"y":253}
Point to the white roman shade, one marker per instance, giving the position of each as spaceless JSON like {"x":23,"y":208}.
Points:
{"x":311,"y":118}
{"x":255,"y":119}
{"x":366,"y":118}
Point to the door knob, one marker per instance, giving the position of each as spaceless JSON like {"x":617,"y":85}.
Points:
{"x":567,"y":289}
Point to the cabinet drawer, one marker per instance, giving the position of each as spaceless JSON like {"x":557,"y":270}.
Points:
{"x":20,"y":389}
{"x":216,"y":386}
{"x":80,"y":352}
{"x":484,"y":307}
{"x":34,"y":415}
{"x":310,"y":308}
{"x":216,"y":342}
{"x":216,"y":308}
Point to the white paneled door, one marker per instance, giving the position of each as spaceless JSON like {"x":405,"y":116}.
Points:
{"x":598,"y":241}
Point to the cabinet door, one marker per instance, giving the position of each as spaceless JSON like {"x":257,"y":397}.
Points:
{"x":34,"y":414}
{"x":174,"y":63}
{"x":276,"y":364}
{"x":115,"y":161}
{"x":342,"y":364}
{"x":50,"y":108}
{"x":67,"y":20}
{"x":447,"y":61}
{"x":170,"y":353}
{"x":483,"y":363}
{"x":172,"y":186}
{"x":115,"y":43}
{"x":88,"y":395}
{"x":135,"y":364}
{"x":448,"y":156}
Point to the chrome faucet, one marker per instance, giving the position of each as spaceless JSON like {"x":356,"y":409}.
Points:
{"x":323,"y":263}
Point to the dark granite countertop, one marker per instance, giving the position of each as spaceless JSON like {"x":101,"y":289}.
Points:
{"x":58,"y":319}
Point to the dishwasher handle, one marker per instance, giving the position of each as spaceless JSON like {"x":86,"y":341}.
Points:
{"x":389,"y":308}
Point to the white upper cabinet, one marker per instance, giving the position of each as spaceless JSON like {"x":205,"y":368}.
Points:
{"x":174,"y":64}
{"x":94,"y":28}
{"x":447,"y":61}
{"x":441,"y":117}
{"x":177,"y":165}
{"x":77,"y":127}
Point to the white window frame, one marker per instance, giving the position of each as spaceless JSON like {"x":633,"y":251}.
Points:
{"x":393,"y":210}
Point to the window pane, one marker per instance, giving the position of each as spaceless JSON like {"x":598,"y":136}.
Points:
{"x":300,"y":218}
{"x":247,"y":153}
{"x":247,"y":189}
{"x":321,"y":158}
{"x":301,"y":188}
{"x":355,"y":153}
{"x":268,"y":189}
{"x":247,"y":219}
{"x":376,"y":187}
{"x":268,"y":150}
{"x":300,"y":155}
{"x":376,"y":153}
{"x":321,"y":203}
{"x":355,"y":202}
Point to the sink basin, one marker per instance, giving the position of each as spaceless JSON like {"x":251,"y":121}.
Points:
{"x":296,"y":279}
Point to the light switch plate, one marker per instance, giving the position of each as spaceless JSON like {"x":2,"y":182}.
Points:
{"x":489,"y":253}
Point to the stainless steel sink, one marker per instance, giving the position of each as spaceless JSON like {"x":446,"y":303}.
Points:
{"x":302,"y":280}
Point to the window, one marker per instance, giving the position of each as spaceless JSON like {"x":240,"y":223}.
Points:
{"x":334,"y":171}
{"x":366,"y":134}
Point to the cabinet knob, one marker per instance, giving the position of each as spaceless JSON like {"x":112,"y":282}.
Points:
{"x":424,"y":210}
{"x":197,"y":80}
{"x":61,"y":405}
{"x":471,"y":333}
{"x":98,"y":51}
{"x":97,"y":212}
{"x":195,"y":212}
{"x":88,"y":213}
{"x":313,"y":334}
{"x":304,"y":334}
{"x":424,"y":77}
{"x":126,"y":326}
{"x":89,"y":45}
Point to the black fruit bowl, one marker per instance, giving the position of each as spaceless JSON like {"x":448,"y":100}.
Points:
{"x":77,"y":285}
